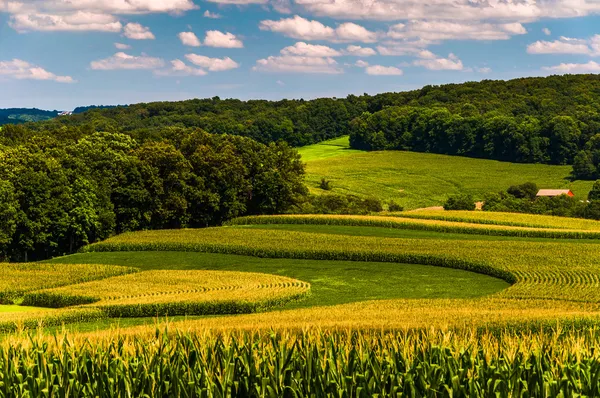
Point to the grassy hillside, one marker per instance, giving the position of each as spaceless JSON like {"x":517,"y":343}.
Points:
{"x":417,"y":180}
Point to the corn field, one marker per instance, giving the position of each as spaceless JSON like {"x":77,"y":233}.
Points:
{"x":17,"y":279}
{"x":175,"y":292}
{"x":540,"y":270}
{"x":305,"y":364}
{"x":417,"y":223}
{"x":498,"y":218}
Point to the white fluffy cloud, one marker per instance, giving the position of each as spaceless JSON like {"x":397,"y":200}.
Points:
{"x":212,"y":64}
{"x":121,"y":46}
{"x":300,"y":28}
{"x":189,"y":39}
{"x":240,"y":2}
{"x":135,"y":31}
{"x":19,"y":69}
{"x":590,"y":67}
{"x":566,"y":45}
{"x":456,"y":10}
{"x":211,"y":15}
{"x":449,"y":30}
{"x":99,"y":6}
{"x":298,"y":64}
{"x":359,"y":51}
{"x":379,"y":70}
{"x":310,"y":50}
{"x":83,"y":15}
{"x":546,"y":31}
{"x":354,"y":33}
{"x":215,"y":38}
{"x":432,"y":62}
{"x":179,"y":68}
{"x":79,"y":21}
{"x":124,"y":61}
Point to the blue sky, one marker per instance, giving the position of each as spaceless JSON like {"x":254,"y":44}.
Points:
{"x":59,"y":54}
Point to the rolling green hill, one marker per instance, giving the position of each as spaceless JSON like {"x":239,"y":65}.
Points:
{"x":417,"y":180}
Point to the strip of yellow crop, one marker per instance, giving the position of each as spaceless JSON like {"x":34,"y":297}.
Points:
{"x":497,"y":218}
{"x":16,"y":279}
{"x":176,"y":292}
{"x":162,"y":286}
{"x":549,"y":270}
{"x":420,"y":224}
{"x":398,"y":314}
{"x":17,"y":321}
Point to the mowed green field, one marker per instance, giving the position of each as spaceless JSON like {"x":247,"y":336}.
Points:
{"x":416,"y":180}
{"x":332,"y":282}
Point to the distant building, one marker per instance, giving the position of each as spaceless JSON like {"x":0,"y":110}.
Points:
{"x":65,"y":113}
{"x":554,"y":192}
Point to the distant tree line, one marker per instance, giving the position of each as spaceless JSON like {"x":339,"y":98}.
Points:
{"x":79,"y":187}
{"x":547,"y":120}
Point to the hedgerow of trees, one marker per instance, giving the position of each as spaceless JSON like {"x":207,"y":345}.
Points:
{"x":61,"y":192}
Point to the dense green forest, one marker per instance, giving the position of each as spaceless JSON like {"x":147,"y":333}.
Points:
{"x":536,"y":120}
{"x":554,"y":120}
{"x":57,"y":194}
{"x":25,"y":115}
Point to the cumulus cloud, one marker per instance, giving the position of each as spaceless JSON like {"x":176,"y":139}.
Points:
{"x":457,"y":10}
{"x":121,"y":46}
{"x":547,"y":31}
{"x":122,"y":60}
{"x":239,"y":2}
{"x":379,"y":70}
{"x":432,"y":62}
{"x":21,"y":70}
{"x":135,"y":31}
{"x":101,"y":6}
{"x":449,"y":30}
{"x":310,"y":50}
{"x":212,"y":15}
{"x":352,"y":32}
{"x":79,"y":21}
{"x":300,"y":28}
{"x":590,"y":67}
{"x":483,"y":70}
{"x":359,"y":51}
{"x":212,"y":64}
{"x":189,"y":39}
{"x":403,"y":47}
{"x":566,"y":45}
{"x":298,"y":64}
{"x":179,"y":68}
{"x":215,"y":38}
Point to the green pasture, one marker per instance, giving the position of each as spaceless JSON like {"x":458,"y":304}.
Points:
{"x":417,"y":180}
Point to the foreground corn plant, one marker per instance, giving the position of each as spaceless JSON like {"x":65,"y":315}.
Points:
{"x":311,"y":364}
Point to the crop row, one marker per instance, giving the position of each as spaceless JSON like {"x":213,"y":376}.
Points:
{"x":513,"y":261}
{"x":175,"y":292}
{"x":501,"y":218}
{"x":312,"y":364}
{"x":17,"y":279}
{"x":19,"y":321}
{"x":419,"y":224}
